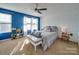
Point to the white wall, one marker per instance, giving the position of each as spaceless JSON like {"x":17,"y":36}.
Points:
{"x":62,"y":15}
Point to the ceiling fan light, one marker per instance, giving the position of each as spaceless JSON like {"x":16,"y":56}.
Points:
{"x":36,"y":9}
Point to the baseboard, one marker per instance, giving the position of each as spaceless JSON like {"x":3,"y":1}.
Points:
{"x":5,"y":40}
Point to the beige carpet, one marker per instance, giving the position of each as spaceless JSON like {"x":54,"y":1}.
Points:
{"x":7,"y":46}
{"x":60,"y":47}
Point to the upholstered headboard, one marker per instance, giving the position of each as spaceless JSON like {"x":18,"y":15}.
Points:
{"x":50,"y":29}
{"x":54,"y":28}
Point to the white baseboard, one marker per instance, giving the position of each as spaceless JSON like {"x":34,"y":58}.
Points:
{"x":73,"y":41}
{"x":5,"y":39}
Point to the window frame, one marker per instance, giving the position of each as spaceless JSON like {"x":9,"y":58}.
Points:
{"x":31,"y":24}
{"x":6,"y":23}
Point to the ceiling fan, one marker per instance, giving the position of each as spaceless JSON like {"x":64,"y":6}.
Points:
{"x":39,"y":9}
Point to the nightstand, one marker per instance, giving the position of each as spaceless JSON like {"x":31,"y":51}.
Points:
{"x":65,"y":36}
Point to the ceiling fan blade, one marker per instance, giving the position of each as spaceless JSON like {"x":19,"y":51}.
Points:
{"x":39,"y":11}
{"x":42,"y":9}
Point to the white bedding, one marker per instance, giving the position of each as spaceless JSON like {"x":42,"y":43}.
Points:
{"x":48,"y":39}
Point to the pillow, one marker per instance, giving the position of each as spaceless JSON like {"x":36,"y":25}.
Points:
{"x":48,"y":29}
{"x":37,"y":34}
{"x":33,"y":33}
{"x":54,"y":28}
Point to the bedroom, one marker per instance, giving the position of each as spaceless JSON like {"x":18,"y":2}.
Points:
{"x":62,"y":15}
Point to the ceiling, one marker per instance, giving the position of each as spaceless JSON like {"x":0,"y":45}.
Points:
{"x":29,"y":7}
{"x":21,"y":7}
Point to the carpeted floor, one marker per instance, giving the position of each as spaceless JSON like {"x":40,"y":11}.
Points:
{"x":60,"y":47}
{"x":7,"y":46}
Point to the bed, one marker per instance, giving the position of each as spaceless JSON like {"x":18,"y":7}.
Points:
{"x":48,"y":36}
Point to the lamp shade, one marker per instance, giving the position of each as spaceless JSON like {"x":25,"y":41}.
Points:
{"x":64,"y":29}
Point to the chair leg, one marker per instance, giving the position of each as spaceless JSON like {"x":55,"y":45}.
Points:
{"x":35,"y":48}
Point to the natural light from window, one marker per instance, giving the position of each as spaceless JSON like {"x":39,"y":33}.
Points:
{"x":5,"y":22}
{"x":30,"y":24}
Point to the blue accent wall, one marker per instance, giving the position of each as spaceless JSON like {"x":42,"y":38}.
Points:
{"x":5,"y":35}
{"x":17,"y":21}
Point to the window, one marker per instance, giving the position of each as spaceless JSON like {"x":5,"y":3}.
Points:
{"x":5,"y":23}
{"x":27,"y":24}
{"x":34,"y":24}
{"x":30,"y":24}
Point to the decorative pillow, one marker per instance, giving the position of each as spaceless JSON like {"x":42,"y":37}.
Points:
{"x":37,"y":34}
{"x":47,"y":29}
{"x":50,"y":29}
{"x":54,"y":28}
{"x":33,"y":33}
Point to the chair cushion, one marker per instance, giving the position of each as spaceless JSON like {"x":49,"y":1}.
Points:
{"x":34,"y":39}
{"x":37,"y":34}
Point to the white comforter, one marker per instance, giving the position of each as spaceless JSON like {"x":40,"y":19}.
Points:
{"x":48,"y":39}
